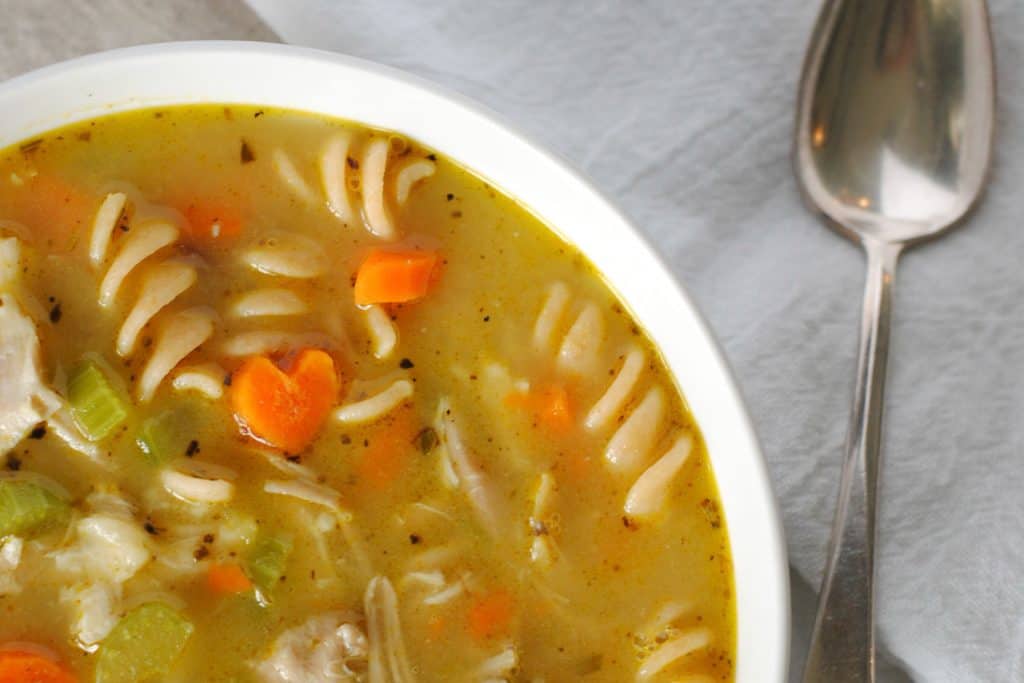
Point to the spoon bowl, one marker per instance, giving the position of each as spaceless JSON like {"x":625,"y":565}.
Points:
{"x":894,"y":139}
{"x":896,"y":115}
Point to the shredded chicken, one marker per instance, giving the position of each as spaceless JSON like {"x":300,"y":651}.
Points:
{"x":25,"y":400}
{"x":10,"y":558}
{"x":108,"y":544}
{"x":330,"y":648}
{"x":94,"y":608}
{"x":388,"y":660}
{"x":471,"y":478}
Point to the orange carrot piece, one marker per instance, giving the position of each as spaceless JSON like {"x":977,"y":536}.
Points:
{"x":17,"y":666}
{"x":227,"y":578}
{"x":53,"y":211}
{"x":549,"y":406}
{"x":391,"y":277}
{"x":285,"y":409}
{"x":491,"y":615}
{"x":390,"y":451}
{"x":211,"y":224}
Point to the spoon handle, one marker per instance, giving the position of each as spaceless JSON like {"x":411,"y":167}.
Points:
{"x":843,"y":642}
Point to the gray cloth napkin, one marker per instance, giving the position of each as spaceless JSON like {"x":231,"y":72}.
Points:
{"x":35,"y":33}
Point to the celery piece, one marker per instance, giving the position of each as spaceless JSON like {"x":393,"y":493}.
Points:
{"x":143,"y":645}
{"x":96,"y":405}
{"x":156,"y":438}
{"x":267,"y":560}
{"x":28,"y":508}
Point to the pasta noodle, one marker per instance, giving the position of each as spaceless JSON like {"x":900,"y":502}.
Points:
{"x":410,"y":174}
{"x":550,"y":315}
{"x":161,"y":285}
{"x":373,"y":167}
{"x":142,"y":242}
{"x":291,"y":176}
{"x":259,"y":303}
{"x":648,"y":493}
{"x":609,"y":405}
{"x":631,"y":443}
{"x":333,"y":174}
{"x":183,"y":333}
{"x":376,"y":406}
{"x":195,"y":489}
{"x":582,"y":342}
{"x":206,"y":379}
{"x":266,"y":341}
{"x":104,"y":224}
{"x":383,"y":333}
{"x":288,"y":255}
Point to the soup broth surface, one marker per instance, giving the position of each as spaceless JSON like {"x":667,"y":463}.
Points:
{"x":486,"y":473}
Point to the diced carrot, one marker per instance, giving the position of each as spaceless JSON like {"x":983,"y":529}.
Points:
{"x":549,"y":405}
{"x":227,"y":578}
{"x":285,"y":408}
{"x":391,"y":277}
{"x":491,"y":615}
{"x":17,"y":666}
{"x":390,"y":450}
{"x":53,"y":210}
{"x":211,"y":224}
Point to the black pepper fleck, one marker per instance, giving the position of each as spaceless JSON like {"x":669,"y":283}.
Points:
{"x":405,"y":364}
{"x":38,"y":432}
{"x":414,"y":539}
{"x":55,"y":314}
{"x":246,"y":154}
{"x":193,"y":448}
{"x":13,"y":463}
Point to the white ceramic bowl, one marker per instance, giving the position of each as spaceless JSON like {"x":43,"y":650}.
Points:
{"x":276,"y":75}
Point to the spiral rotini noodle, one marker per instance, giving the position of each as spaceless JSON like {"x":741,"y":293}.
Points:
{"x":141,"y":243}
{"x":161,"y":285}
{"x":182,"y":334}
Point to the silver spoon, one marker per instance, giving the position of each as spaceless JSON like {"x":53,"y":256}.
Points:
{"x":893,"y":144}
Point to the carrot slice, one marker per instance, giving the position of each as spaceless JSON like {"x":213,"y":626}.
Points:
{"x":211,"y":224}
{"x":227,"y":578}
{"x":549,"y":406}
{"x":491,"y":615}
{"x":389,"y":452}
{"x":17,"y":666}
{"x":285,"y":409}
{"x":391,"y":277}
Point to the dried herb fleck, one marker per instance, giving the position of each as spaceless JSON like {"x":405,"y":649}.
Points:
{"x":427,"y":440}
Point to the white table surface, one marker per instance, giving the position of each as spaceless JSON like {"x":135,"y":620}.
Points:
{"x":681,"y":111}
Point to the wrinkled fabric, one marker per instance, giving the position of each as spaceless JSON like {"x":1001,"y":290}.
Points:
{"x":681,"y":111}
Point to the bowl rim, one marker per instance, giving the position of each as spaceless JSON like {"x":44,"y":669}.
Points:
{"x":187,"y":72}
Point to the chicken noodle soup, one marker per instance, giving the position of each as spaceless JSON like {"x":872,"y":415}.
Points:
{"x":288,"y":399}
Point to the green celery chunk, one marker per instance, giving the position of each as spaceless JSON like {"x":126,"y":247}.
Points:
{"x":144,"y":644}
{"x":267,"y":561}
{"x":157,"y":438}
{"x":28,"y":508}
{"x":96,"y":405}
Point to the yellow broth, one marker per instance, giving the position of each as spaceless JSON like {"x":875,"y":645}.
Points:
{"x":580,"y":618}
